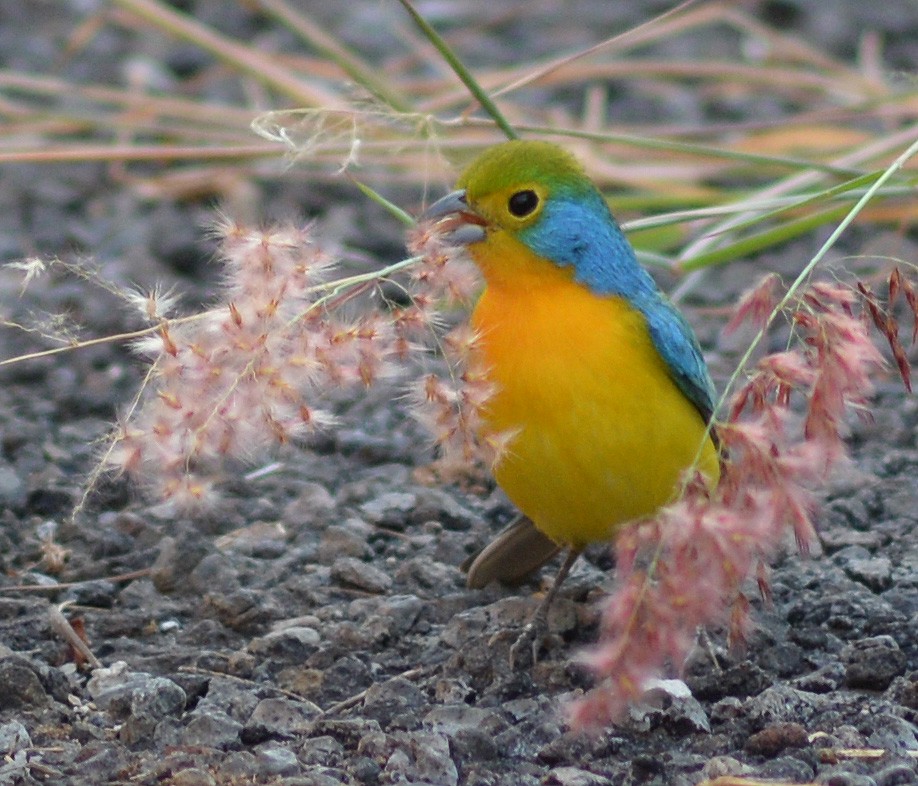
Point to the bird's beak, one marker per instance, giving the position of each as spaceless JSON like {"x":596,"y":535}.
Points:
{"x":459,"y":224}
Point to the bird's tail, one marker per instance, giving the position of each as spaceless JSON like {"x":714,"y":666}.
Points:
{"x":515,"y":552}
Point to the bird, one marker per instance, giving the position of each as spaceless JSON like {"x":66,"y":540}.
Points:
{"x":597,"y":376}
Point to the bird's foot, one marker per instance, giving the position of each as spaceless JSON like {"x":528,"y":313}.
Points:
{"x":524,"y":652}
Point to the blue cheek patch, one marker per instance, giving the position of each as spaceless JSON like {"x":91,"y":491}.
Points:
{"x":579,"y":231}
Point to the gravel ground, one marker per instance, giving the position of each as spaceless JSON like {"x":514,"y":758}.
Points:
{"x":315,"y":629}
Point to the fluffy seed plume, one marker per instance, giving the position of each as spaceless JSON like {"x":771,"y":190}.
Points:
{"x":443,"y":273}
{"x":688,"y":567}
{"x":235,"y":380}
{"x":230,"y":383}
{"x":452,"y":406}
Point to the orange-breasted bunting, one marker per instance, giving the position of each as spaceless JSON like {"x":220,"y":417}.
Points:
{"x":597,"y":374}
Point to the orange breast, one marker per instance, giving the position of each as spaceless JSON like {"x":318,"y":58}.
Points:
{"x":604,"y":434}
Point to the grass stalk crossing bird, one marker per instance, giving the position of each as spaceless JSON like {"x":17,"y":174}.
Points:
{"x":597,"y":375}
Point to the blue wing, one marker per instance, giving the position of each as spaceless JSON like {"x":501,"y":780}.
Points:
{"x":675,"y":341}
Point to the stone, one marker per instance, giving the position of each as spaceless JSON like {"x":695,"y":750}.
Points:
{"x":781,"y":704}
{"x":875,"y":572}
{"x":175,"y":562}
{"x":574,"y":776}
{"x":139,"y":699}
{"x":436,"y":504}
{"x":720,"y":766}
{"x":873,"y":663}
{"x":213,"y":729}
{"x":150,"y":702}
{"x":386,"y":701}
{"x":280,"y":717}
{"x":823,"y":680}
{"x":892,"y":733}
{"x":106,"y":760}
{"x":422,"y":757}
{"x":344,"y":541}
{"x":20,"y":686}
{"x":14,"y":737}
{"x":192,"y":776}
{"x":741,"y":679}
{"x":785,"y":769}
{"x":450,"y":719}
{"x":900,"y":773}
{"x":351,"y":572}
{"x":292,"y":645}
{"x":391,"y":509}
{"x":313,"y":506}
{"x":321,"y":750}
{"x":273,"y":760}
{"x":775,"y":738}
{"x":13,"y":490}
{"x":238,"y":767}
{"x":842,"y":775}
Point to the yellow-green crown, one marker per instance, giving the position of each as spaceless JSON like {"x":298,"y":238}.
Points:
{"x":523,"y":161}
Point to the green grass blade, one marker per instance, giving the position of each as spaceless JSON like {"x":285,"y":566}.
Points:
{"x":808,"y":200}
{"x":460,"y":70}
{"x":337,"y":52}
{"x":761,"y":240}
{"x":801,"y":279}
{"x":379,"y":199}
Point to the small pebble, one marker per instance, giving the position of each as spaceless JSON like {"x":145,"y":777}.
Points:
{"x":873,"y":663}
{"x":20,"y":686}
{"x":351,"y":572}
{"x":13,"y":737}
{"x":293,"y":644}
{"x":391,"y":509}
{"x":192,"y":776}
{"x":212,"y":728}
{"x":892,"y":733}
{"x":775,"y":738}
{"x":422,"y":756}
{"x":343,"y":541}
{"x":574,"y":776}
{"x":785,"y":768}
{"x":273,"y":760}
{"x":281,"y":717}
{"x":842,"y":775}
{"x":320,"y":750}
{"x":780,"y":704}
{"x":718,"y":766}
{"x":874,"y":573}
{"x":903,"y":773}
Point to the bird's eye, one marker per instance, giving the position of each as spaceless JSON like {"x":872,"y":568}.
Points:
{"x":522,"y":203}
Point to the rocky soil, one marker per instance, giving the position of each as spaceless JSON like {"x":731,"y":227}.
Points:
{"x":315,"y":629}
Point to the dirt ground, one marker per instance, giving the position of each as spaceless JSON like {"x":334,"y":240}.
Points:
{"x":315,"y":629}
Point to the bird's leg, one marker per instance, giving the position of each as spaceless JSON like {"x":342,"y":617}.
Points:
{"x":525,"y":649}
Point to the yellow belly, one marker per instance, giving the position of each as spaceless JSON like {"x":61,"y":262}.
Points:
{"x":604,"y":432}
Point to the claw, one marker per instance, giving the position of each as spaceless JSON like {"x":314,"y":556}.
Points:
{"x":535,"y":633}
{"x":524,"y":653}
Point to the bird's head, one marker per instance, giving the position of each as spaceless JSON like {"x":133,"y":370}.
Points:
{"x":534,"y":196}
{"x":508,"y":186}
